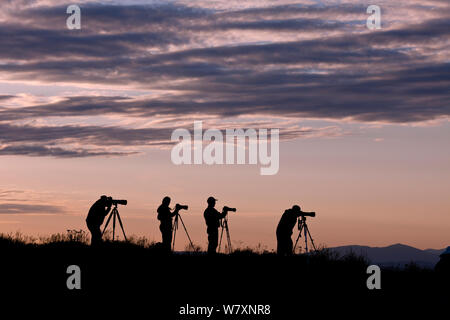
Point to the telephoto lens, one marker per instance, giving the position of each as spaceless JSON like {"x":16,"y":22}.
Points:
{"x":122,"y":202}
{"x":308,"y":214}
{"x":181,"y":206}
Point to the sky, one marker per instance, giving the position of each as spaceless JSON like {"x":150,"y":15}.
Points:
{"x":363,"y":115}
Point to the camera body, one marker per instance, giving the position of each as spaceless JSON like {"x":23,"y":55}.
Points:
{"x":229,"y":209}
{"x":181,"y":207}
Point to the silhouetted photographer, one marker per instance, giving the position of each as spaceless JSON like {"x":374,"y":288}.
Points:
{"x":285,"y":228}
{"x":96,"y":216}
{"x":213,"y":222}
{"x":165,"y":216}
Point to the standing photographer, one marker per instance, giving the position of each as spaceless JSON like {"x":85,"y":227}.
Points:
{"x":212,"y":219}
{"x":285,"y":228}
{"x":165,"y":217}
{"x":96,"y":216}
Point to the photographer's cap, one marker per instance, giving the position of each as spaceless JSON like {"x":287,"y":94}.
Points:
{"x":211,"y":199}
{"x":296,"y":208}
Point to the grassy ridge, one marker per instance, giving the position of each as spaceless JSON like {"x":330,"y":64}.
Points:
{"x":248,"y":275}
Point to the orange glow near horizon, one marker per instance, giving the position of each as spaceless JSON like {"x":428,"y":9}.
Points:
{"x":366,"y":193}
{"x":363,"y":115}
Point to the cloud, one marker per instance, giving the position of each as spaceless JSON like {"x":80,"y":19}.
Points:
{"x":77,"y":141}
{"x":6,"y":194}
{"x":215,"y":60}
{"x":44,"y":151}
{"x":97,"y":141}
{"x":101,"y":17}
{"x":30,"y":43}
{"x":16,"y":201}
{"x":87,"y":134}
{"x":14,"y":208}
{"x":406,"y":93}
{"x":6,"y":97}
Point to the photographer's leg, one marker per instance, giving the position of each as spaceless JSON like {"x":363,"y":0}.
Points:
{"x":279,"y":245}
{"x":213,"y":241}
{"x":96,"y":235}
{"x":284,"y":245}
{"x":166,"y":238}
{"x":289,"y":246}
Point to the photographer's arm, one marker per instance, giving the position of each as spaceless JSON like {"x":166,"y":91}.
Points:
{"x":223,"y":214}
{"x":174,"y":212}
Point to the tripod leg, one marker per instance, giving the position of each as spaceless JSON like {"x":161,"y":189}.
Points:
{"x":175,"y":227}
{"x":107,"y":222}
{"x":121,"y":226}
{"x":298,"y":237}
{"x":228,"y":237}
{"x":220,"y":241}
{"x":190,"y":241}
{"x":312,"y":241}
{"x":114,"y":224}
{"x":306,"y":238}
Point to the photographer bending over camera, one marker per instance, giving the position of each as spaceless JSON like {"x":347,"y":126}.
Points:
{"x":96,"y":216}
{"x":285,"y":227}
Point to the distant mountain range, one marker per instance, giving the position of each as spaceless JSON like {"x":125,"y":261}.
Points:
{"x":397,"y":255}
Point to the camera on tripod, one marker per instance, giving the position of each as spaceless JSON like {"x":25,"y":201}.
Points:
{"x":224,"y":225}
{"x":181,"y":207}
{"x":114,"y":215}
{"x":303,"y":228}
{"x":116,"y":202}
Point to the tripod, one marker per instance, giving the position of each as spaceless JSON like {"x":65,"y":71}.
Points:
{"x":115,"y":214}
{"x":302,"y":226}
{"x":175,"y":228}
{"x":224,"y":225}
